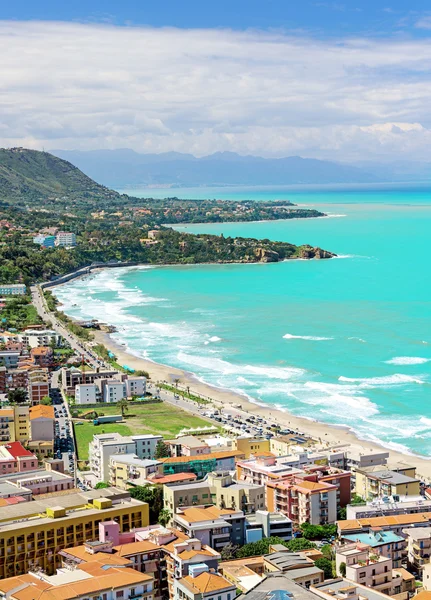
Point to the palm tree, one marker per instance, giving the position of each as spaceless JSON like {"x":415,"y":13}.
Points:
{"x":123,"y":406}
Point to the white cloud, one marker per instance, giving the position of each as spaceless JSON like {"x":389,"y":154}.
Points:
{"x":70,"y":85}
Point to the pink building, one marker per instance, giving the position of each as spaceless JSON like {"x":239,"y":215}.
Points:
{"x":14,"y":458}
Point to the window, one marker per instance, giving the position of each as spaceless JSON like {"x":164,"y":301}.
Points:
{"x":362,"y":574}
{"x":120,"y":594}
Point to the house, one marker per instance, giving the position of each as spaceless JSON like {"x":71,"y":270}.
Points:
{"x":42,"y":421}
{"x":14,"y":289}
{"x":384,"y":543}
{"x":14,"y":458}
{"x":201,"y":584}
{"x":364,"y":566}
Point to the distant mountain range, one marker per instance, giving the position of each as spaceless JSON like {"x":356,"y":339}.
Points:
{"x":124,"y":167}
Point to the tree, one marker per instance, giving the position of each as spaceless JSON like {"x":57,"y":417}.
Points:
{"x":318,"y":532}
{"x":298,"y":544}
{"x":342,"y":569}
{"x":229,"y":551}
{"x":17,"y":396}
{"x":356,"y":499}
{"x":326,"y":565}
{"x":142,"y":373}
{"x":101,"y":485}
{"x":327,"y":551}
{"x":162,"y":450}
{"x":123,"y":406}
{"x":164,"y":517}
{"x":46,"y":401}
{"x":342,"y":513}
{"x":153,"y":495}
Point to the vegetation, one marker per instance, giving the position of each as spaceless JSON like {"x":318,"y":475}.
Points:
{"x":326,"y":565}
{"x":84,"y":435}
{"x":342,"y":569}
{"x":298,"y":544}
{"x":184,"y":393}
{"x":101,"y":485}
{"x":18,"y":396}
{"x":123,"y":406}
{"x":19,"y":313}
{"x":356,"y":499}
{"x":230,"y":551}
{"x":162,"y":450}
{"x":153,"y":494}
{"x":318,"y":532}
{"x":46,"y":400}
{"x":41,"y":191}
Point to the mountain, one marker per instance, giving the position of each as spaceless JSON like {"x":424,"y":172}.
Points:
{"x":124,"y":167}
{"x":30,"y":175}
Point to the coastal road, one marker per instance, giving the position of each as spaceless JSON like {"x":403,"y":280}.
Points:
{"x":47,"y":316}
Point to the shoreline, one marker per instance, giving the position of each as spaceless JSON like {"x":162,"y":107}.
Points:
{"x":326,"y":435}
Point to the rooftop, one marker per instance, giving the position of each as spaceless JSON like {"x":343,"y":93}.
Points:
{"x":40,"y":410}
{"x":206,"y":583}
{"x":375,"y":539}
{"x":197,"y":514}
{"x":389,"y":521}
{"x":17,"y":450}
{"x":200,"y":457}
{"x":175,"y":477}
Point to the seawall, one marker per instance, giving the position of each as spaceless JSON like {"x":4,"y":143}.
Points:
{"x":85,"y":271}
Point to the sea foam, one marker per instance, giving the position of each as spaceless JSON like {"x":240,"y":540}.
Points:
{"x":311,"y":338}
{"x":407,"y":360}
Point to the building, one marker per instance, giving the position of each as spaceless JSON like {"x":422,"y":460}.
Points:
{"x":217,"y":488}
{"x":14,"y":289}
{"x":87,"y":393}
{"x":66,"y":239}
{"x":14,"y":424}
{"x":135,"y":386}
{"x":7,"y":425}
{"x":202,"y":464}
{"x":14,"y":458}
{"x":38,"y":386}
{"x":42,"y":356}
{"x":42,"y":420}
{"x":279,"y":586}
{"x":396,"y":523}
{"x":343,"y":589}
{"x":9,"y":359}
{"x":426,"y":577}
{"x":127,"y":470}
{"x":250,"y":446}
{"x":418,"y":547}
{"x":262,"y":524}
{"x":201,"y":584}
{"x":113,"y":391}
{"x":384,"y":543}
{"x":387,"y":506}
{"x":32,"y":533}
{"x":35,"y":338}
{"x":187,"y":445}
{"x":33,"y":483}
{"x":367,"y":568}
{"x":295,"y":566}
{"x":377,"y":482}
{"x":96,"y":579}
{"x":47,"y":241}
{"x":213,"y":526}
{"x":104,"y":445}
{"x":70,"y":377}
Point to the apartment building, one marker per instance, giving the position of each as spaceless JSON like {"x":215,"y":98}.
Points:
{"x":166,"y":554}
{"x":70,"y":377}
{"x":42,"y":356}
{"x":395,"y":523}
{"x":217,"y":488}
{"x":344,"y":589}
{"x":264,"y":524}
{"x":295,"y":566}
{"x":33,"y":338}
{"x":211,"y":525}
{"x":87,"y":393}
{"x":250,"y":446}
{"x":42,"y":420}
{"x":127,"y":470}
{"x":400,"y":505}
{"x":135,"y":386}
{"x":38,"y":385}
{"x":418,"y":547}
{"x":187,"y":445}
{"x":201,"y":584}
{"x":35,"y":482}
{"x":9,"y":359}
{"x":384,"y":543}
{"x":66,"y":239}
{"x":13,"y":289}
{"x":14,"y":458}
{"x":363,"y":566}
{"x":377,"y":482}
{"x":96,"y":580}
{"x":201,"y":464}
{"x":7,"y":425}
{"x":32,"y":533}
{"x":104,"y":445}
{"x":263,"y":469}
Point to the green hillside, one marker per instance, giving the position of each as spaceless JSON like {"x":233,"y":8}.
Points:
{"x":32,"y":176}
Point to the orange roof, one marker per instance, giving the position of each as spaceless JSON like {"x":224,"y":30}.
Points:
{"x":424,"y":595}
{"x":207,"y":582}
{"x":82,"y":556}
{"x":174,"y":478}
{"x":213,"y":455}
{"x":40,"y":410}
{"x":41,"y":351}
{"x":209,"y":513}
{"x":393,"y":520}
{"x":6,"y":412}
{"x":135,"y":548}
{"x":313,"y":486}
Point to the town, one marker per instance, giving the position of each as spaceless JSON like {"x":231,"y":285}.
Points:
{"x":116,"y":486}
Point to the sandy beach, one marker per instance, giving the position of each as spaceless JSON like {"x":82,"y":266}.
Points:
{"x":329,"y":435}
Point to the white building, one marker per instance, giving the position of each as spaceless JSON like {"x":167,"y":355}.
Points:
{"x":87,"y":394}
{"x":65,"y":238}
{"x":36,"y":338}
{"x":114,"y":391}
{"x":135,"y":386}
{"x":104,"y":445}
{"x":13,"y":289}
{"x":367,"y":568}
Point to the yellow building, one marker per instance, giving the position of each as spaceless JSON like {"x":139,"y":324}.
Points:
{"x":127,"y":469}
{"x":378,"y":481}
{"x":14,"y":424}
{"x":251,"y":446}
{"x":32,"y":533}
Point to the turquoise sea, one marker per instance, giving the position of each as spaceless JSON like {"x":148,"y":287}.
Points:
{"x":344,"y":341}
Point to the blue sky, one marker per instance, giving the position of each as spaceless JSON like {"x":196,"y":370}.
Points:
{"x":323,"y":17}
{"x":344,"y":80}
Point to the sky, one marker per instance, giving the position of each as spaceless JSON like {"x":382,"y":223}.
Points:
{"x":347,"y":81}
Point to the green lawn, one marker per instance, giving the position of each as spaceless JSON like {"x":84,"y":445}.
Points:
{"x":159,"y":418}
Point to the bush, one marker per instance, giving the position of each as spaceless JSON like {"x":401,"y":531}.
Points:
{"x":342,"y":569}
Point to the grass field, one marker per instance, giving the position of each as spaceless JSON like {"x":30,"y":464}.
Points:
{"x":160,"y":418}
